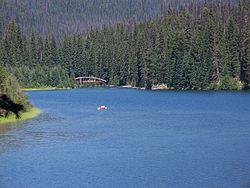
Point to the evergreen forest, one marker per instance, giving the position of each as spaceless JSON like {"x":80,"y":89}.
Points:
{"x":199,"y":46}
{"x":61,"y":17}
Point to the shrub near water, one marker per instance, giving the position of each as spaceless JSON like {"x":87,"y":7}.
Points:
{"x":9,"y":86}
{"x":227,"y":83}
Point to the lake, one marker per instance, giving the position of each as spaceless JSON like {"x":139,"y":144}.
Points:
{"x":145,"y":139}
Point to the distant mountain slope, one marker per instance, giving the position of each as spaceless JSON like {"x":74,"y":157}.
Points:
{"x":70,"y":16}
{"x":67,"y":16}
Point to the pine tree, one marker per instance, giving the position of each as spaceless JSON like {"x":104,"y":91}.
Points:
{"x":1,"y":28}
{"x":33,"y":56}
{"x":47,"y":53}
{"x":54,"y":52}
{"x":232,"y":38}
{"x":207,"y":47}
{"x":13,"y":45}
{"x":246,"y":59}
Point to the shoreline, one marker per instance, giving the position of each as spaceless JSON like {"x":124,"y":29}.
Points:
{"x":44,"y":89}
{"x":160,"y":87}
{"x":32,"y":113}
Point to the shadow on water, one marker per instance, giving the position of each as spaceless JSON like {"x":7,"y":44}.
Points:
{"x":5,"y":127}
{"x":41,"y":131}
{"x":11,"y":135}
{"x":6,"y":136}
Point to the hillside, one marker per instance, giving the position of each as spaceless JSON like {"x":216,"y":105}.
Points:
{"x":192,"y":48}
{"x":59,"y":17}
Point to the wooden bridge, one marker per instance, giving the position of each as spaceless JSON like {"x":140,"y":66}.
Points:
{"x":91,"y":79}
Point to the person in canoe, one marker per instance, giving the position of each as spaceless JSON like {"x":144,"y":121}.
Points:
{"x":103,"y":107}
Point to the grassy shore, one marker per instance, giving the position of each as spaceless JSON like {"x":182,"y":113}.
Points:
{"x":34,"y":112}
{"x":44,"y":89}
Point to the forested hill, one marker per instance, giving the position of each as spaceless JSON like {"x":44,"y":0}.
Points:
{"x":204,"y":47}
{"x":58,"y":17}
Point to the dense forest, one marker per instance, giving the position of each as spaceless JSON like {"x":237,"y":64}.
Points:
{"x":60,"y":17}
{"x":200,"y":46}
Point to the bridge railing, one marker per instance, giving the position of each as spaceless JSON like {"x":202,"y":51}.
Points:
{"x":90,"y":79}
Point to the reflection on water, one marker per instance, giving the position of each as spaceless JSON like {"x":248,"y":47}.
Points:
{"x":13,"y":136}
{"x":4,"y":127}
{"x":9,"y":139}
{"x":144,"y":139}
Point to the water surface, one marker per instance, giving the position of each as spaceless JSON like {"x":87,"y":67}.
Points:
{"x":145,"y":139}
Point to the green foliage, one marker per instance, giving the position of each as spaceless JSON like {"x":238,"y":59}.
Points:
{"x":10,"y":86}
{"x":115,"y":81}
{"x":184,"y":49}
{"x":246,"y":58}
{"x":227,"y":83}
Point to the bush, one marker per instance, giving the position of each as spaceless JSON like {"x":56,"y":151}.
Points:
{"x":227,"y":83}
{"x":10,"y":86}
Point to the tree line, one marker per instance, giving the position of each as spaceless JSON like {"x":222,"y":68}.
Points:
{"x":199,"y":46}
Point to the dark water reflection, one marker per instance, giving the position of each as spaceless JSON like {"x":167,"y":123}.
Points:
{"x":144,"y":139}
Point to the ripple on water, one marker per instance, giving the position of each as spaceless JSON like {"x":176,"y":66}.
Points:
{"x":144,"y":139}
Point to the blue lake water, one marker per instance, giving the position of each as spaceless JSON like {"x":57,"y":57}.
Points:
{"x":144,"y":139}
